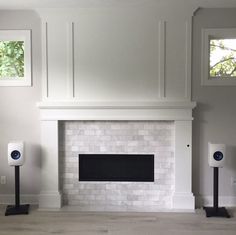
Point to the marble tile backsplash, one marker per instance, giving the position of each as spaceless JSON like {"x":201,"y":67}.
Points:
{"x":130,"y":137}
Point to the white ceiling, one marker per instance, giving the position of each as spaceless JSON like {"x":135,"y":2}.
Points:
{"x":25,"y":4}
{"x":69,"y":3}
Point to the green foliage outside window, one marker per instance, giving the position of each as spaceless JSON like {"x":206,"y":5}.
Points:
{"x":223,"y":58}
{"x":11,"y":59}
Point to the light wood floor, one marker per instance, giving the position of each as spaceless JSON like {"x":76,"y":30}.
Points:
{"x":88,"y":223}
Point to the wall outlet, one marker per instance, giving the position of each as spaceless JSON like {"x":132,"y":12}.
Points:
{"x":3,"y":180}
{"x":233,"y":181}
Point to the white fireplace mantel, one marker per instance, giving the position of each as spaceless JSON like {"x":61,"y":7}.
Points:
{"x":162,"y":110}
{"x":178,"y":111}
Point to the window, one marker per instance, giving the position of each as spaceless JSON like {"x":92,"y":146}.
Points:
{"x":218,"y":57}
{"x":15,"y":58}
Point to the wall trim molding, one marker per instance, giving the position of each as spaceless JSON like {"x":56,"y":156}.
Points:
{"x":50,"y":199}
{"x":161,"y":78}
{"x":164,"y":111}
{"x":116,"y":105}
{"x":45,"y":60}
{"x":188,"y":58}
{"x":228,"y":201}
{"x":24,"y":198}
{"x":70,"y":60}
{"x":162,"y":58}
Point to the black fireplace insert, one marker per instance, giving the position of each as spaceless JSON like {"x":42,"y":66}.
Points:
{"x":116,"y":167}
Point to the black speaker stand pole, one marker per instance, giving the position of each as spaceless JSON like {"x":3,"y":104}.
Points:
{"x":17,"y":209}
{"x":216,"y":211}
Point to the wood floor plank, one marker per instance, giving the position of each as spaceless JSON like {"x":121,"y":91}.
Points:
{"x":89,"y":223}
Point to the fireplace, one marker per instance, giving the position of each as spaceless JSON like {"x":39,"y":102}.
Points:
{"x":59,"y":170}
{"x":144,"y":148}
{"x":116,"y":167}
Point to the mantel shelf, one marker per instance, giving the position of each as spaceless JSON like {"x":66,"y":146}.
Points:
{"x":116,"y":105}
{"x":163,"y":110}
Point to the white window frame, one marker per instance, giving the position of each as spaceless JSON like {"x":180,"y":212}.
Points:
{"x":207,"y":34}
{"x":19,"y":35}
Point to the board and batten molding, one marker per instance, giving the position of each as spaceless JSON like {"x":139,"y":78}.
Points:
{"x":44,"y":60}
{"x":162,"y":56}
{"x":70,"y":93}
{"x":188,"y":58}
{"x":70,"y":61}
{"x":161,"y":64}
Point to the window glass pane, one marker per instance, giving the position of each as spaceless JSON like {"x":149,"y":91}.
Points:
{"x":223,"y":58}
{"x":11,"y":59}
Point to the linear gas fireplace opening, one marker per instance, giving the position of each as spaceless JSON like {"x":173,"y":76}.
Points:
{"x":116,"y":167}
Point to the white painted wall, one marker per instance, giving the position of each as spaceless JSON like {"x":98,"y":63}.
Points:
{"x":152,"y":46}
{"x":215,"y":113}
{"x":19,"y":116}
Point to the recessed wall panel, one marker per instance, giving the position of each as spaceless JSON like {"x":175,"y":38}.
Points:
{"x":116,"y":57}
{"x":56,"y":59}
{"x":175,"y":59}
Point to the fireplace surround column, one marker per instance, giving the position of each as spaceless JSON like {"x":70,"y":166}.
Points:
{"x":183,"y":198}
{"x":50,"y":196}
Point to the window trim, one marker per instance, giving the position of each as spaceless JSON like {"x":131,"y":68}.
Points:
{"x":207,"y":34}
{"x":19,"y":35}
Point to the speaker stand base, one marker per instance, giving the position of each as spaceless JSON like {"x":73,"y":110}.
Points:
{"x":17,"y":210}
{"x":216,"y":212}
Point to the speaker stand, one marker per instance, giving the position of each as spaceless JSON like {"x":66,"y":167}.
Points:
{"x":17,"y":209}
{"x":216,"y":211}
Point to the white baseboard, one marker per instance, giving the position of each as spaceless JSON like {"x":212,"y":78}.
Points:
{"x":24,"y":198}
{"x":183,"y":201}
{"x":50,"y":199}
{"x":228,"y":201}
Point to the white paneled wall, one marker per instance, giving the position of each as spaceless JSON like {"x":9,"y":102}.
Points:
{"x":116,"y":55}
{"x":118,"y":64}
